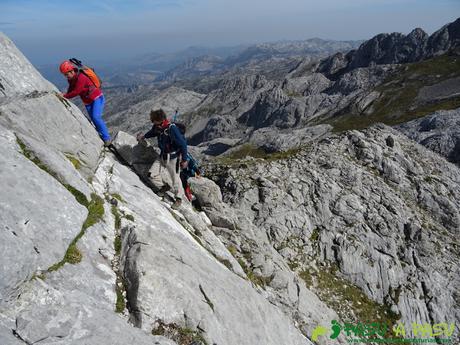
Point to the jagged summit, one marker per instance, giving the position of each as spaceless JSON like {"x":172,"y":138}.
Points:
{"x":395,"y":48}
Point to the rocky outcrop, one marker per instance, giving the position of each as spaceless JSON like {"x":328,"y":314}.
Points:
{"x":368,"y":210}
{"x":275,"y":140}
{"x":440,"y":132}
{"x":219,"y":109}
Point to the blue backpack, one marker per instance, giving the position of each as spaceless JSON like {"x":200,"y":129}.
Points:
{"x":193,"y":169}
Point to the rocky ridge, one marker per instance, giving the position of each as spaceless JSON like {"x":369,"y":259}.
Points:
{"x":440,"y":132}
{"x":394,"y":48}
{"x":264,"y":58}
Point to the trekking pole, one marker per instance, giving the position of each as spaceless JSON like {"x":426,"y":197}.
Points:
{"x":176,"y":114}
{"x":76,"y":62}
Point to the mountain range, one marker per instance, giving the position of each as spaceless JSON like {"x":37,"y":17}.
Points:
{"x":391,"y":78}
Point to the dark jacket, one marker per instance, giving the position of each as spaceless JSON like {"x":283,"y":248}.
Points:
{"x":170,"y":139}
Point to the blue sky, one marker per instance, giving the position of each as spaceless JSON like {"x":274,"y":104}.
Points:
{"x":50,"y":30}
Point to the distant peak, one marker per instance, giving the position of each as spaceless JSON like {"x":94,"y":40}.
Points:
{"x":418,"y":32}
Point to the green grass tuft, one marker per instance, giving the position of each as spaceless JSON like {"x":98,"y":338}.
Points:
{"x":248,"y":150}
{"x":75,"y":162}
{"x":314,"y":235}
{"x":95,"y":213}
{"x":117,"y":196}
{"x":129,"y":217}
{"x":117,"y":217}
{"x":232,"y":249}
{"x":117,"y":245}
{"x":120,"y":304}
{"x":73,"y":254}
{"x":253,"y":277}
{"x":79,"y":196}
{"x":342,"y":296}
{"x":181,"y":335}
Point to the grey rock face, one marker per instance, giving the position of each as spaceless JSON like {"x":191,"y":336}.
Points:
{"x":38,"y":217}
{"x":359,"y":79}
{"x":307,"y":85}
{"x":233,"y":97}
{"x":445,"y":38}
{"x":215,"y":127}
{"x":61,"y":126}
{"x":48,"y":152}
{"x":273,"y":108}
{"x":440,"y":132}
{"x":132,"y":151}
{"x":75,"y":305}
{"x":274,"y":140}
{"x":302,"y":307}
{"x":17,"y":76}
{"x":217,"y":146}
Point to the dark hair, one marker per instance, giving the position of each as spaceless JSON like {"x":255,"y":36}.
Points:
{"x":157,"y":115}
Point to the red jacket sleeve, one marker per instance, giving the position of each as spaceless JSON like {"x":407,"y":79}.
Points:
{"x":77,"y":89}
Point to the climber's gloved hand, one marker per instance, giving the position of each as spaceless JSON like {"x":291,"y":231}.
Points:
{"x":140,"y":137}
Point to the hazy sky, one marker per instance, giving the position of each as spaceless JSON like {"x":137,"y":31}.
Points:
{"x":51,"y":30}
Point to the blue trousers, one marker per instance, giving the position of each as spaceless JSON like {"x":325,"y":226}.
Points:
{"x":95,"y":110}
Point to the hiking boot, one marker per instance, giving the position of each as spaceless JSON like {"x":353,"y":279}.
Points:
{"x":176,"y":204}
{"x":162,"y":191}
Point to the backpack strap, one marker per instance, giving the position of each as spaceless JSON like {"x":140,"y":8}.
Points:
{"x":169,"y":129}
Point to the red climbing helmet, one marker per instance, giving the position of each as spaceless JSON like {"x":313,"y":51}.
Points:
{"x":66,"y":66}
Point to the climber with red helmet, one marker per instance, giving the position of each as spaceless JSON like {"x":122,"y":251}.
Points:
{"x":91,"y":95}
